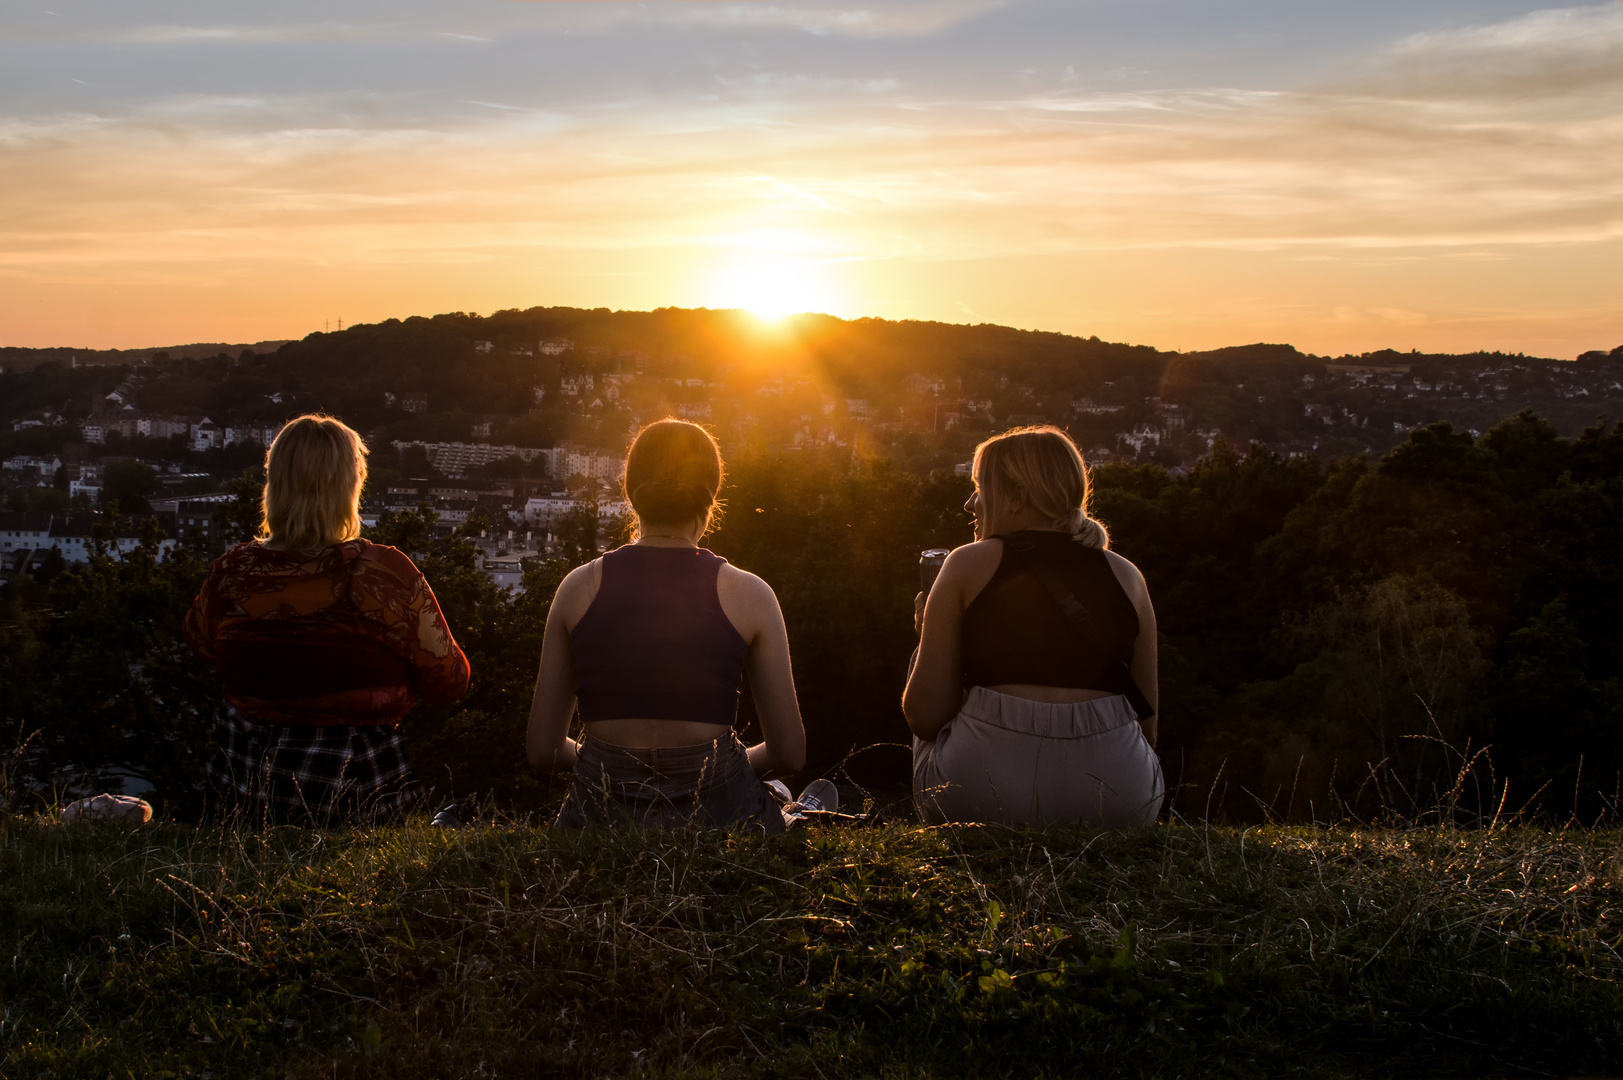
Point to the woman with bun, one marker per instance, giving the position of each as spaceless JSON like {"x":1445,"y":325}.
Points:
{"x":323,"y":642}
{"x":1033,"y":696}
{"x":652,"y":642}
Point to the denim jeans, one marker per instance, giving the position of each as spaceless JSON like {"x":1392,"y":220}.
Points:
{"x":668,"y":787}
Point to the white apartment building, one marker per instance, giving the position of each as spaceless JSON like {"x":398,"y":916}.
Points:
{"x":20,"y":532}
{"x":258,"y":434}
{"x":575,"y":461}
{"x":71,"y":535}
{"x":42,"y":468}
{"x":541,"y":511}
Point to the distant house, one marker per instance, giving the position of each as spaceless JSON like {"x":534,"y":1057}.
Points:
{"x":589,"y":464}
{"x":924,"y":384}
{"x":24,"y":532}
{"x":482,"y":426}
{"x":162,"y":427}
{"x":555,"y":346}
{"x":543,"y":511}
{"x":43,"y":469}
{"x":207,"y":435}
{"x":1141,"y":436}
{"x":253,"y":433}
{"x":74,"y":537}
{"x":507,"y":572}
{"x":456,"y":458}
{"x":482,"y":347}
{"x":414,"y":403}
{"x":198,"y":514}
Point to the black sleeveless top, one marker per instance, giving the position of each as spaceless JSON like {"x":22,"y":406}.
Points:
{"x":655,"y":643}
{"x":1015,"y":632}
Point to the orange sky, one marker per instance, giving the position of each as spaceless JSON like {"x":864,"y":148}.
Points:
{"x":1450,"y":185}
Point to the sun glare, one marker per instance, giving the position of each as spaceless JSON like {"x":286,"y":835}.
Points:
{"x":771,"y":277}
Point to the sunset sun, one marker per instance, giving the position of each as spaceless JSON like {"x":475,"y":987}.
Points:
{"x":772,"y":275}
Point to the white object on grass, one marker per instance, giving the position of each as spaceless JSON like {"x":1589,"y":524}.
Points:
{"x":106,"y":807}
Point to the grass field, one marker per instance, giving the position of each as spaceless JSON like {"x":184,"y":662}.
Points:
{"x":511,"y":950}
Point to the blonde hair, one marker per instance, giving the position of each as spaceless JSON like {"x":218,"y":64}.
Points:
{"x":673,"y":472}
{"x":313,"y":475}
{"x":1044,"y":464}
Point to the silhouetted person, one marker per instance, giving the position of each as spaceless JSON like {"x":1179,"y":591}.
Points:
{"x":324,"y":641}
{"x":653,"y":640}
{"x":1033,"y":695}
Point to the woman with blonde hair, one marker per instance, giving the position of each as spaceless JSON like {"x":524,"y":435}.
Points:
{"x":651,"y":642}
{"x":1033,"y":695}
{"x":323,"y":642}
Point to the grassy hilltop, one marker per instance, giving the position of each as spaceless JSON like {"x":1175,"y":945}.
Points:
{"x":511,"y":950}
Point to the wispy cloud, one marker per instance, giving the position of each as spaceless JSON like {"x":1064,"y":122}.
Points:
{"x":877,"y":19}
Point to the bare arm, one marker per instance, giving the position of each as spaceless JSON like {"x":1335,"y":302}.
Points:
{"x":752,"y":607}
{"x":935,"y":690}
{"x":1145,"y":666}
{"x":547,"y":744}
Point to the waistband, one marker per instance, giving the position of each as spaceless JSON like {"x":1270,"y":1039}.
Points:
{"x":1080,"y":720}
{"x":660,"y":758}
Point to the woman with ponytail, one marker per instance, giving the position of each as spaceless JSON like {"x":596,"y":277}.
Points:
{"x":652,"y":641}
{"x":1034,"y":691}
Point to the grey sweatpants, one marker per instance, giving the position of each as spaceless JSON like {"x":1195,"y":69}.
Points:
{"x":1012,"y":760}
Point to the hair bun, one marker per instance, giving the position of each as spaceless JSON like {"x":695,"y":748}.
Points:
{"x":673,"y":472}
{"x":669,"y":499}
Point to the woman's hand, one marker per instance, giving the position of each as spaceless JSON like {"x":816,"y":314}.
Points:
{"x":918,"y":614}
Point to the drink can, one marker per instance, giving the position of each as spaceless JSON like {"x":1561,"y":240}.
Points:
{"x":930,"y":560}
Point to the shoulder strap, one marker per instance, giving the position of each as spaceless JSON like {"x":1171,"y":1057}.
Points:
{"x":1077,"y":613}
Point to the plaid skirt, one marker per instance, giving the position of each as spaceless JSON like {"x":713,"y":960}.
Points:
{"x":286,"y":774}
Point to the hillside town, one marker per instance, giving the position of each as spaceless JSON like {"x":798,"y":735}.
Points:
{"x":527,"y":432}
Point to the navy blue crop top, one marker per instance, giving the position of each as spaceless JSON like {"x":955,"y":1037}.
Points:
{"x":655,"y":644}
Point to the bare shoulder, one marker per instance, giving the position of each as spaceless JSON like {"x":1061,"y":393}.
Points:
{"x":577,"y":591}
{"x":1129,"y":576}
{"x":749,"y":604}
{"x":733,"y":584}
{"x":972,"y":558}
{"x":970,"y":567}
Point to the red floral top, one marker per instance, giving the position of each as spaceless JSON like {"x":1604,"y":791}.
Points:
{"x":349,"y":634}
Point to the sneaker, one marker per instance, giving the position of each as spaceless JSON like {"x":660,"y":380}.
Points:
{"x":819,"y":795}
{"x":780,"y":792}
{"x":447,"y":817}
